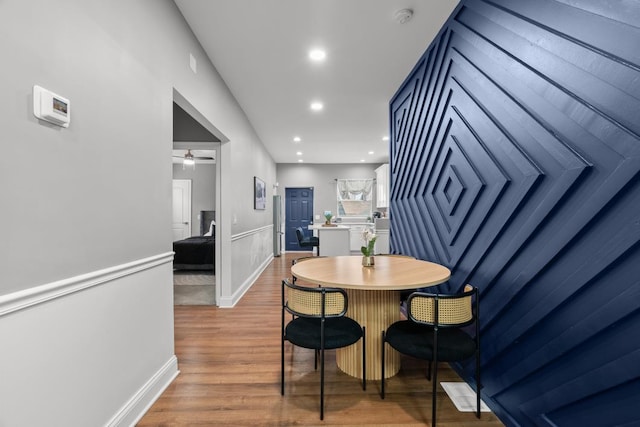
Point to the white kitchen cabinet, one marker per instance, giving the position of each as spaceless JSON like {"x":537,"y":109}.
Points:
{"x":382,"y":242}
{"x":355,"y":237}
{"x":382,"y":186}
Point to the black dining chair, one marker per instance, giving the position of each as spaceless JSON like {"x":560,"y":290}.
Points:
{"x":437,"y":331}
{"x":307,"y":242}
{"x":320,"y":324}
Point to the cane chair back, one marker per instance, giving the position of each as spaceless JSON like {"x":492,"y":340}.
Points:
{"x":310,"y":302}
{"x":442,"y":310}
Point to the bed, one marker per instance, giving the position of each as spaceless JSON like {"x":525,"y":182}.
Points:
{"x":197,"y":252}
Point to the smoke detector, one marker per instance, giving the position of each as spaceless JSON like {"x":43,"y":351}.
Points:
{"x":403,"y":16}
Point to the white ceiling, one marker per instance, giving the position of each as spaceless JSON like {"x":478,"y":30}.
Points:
{"x":260,"y":48}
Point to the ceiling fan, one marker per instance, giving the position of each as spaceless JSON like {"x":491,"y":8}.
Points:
{"x":189,"y":158}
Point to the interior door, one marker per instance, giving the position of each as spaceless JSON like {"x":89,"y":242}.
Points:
{"x":299,"y":213}
{"x":181,"y":209}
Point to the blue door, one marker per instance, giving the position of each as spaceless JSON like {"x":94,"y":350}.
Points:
{"x":299,"y":213}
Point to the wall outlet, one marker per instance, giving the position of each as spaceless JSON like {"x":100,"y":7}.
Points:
{"x":317,"y":216}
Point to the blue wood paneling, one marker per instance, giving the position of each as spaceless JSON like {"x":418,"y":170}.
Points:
{"x":515,"y":161}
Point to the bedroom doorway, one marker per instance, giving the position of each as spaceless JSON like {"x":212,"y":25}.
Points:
{"x":194,"y":272}
{"x":195,"y":257}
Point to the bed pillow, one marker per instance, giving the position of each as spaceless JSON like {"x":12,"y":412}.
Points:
{"x":212,"y":229}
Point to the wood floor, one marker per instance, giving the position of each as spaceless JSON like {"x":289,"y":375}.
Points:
{"x":229,"y":361}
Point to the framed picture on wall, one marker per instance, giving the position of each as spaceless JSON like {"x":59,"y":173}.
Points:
{"x":259,"y":194}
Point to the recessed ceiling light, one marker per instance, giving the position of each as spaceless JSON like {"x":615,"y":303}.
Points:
{"x":300,"y":160}
{"x":317,"y":55}
{"x":370,"y":152}
{"x":362,"y":160}
{"x":297,"y":139}
{"x":317,"y":106}
{"x":385,"y":138}
{"x":299,"y":153}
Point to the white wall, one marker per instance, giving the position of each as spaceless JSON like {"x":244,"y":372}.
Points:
{"x":322,"y":178}
{"x":86,"y":302}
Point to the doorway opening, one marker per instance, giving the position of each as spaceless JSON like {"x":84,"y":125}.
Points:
{"x":195,"y":155}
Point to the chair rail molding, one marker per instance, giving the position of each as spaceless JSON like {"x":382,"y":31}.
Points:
{"x":21,"y":300}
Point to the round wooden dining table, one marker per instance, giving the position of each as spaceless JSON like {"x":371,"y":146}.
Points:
{"x":374,"y":300}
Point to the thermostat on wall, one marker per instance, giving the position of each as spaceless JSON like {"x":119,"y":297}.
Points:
{"x":51,"y":107}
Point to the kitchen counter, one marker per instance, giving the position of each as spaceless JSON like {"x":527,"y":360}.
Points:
{"x":334,"y":241}
{"x":354,"y":228}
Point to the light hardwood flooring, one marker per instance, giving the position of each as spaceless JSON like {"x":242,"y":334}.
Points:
{"x":229,"y":361}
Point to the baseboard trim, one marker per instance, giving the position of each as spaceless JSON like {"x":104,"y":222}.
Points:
{"x":21,"y":300}
{"x":229,"y":302}
{"x":139,"y":404}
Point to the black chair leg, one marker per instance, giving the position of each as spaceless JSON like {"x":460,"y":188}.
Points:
{"x":282,"y":367}
{"x":322,"y":384}
{"x":429,"y":371}
{"x":477,"y":399}
{"x":382,"y":369}
{"x":478,"y":386}
{"x":433,"y":391}
{"x":364,"y":358}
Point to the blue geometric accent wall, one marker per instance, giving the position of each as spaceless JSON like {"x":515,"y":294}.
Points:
{"x":515,"y":161}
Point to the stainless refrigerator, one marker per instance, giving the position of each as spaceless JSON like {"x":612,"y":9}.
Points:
{"x":277,"y":225}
